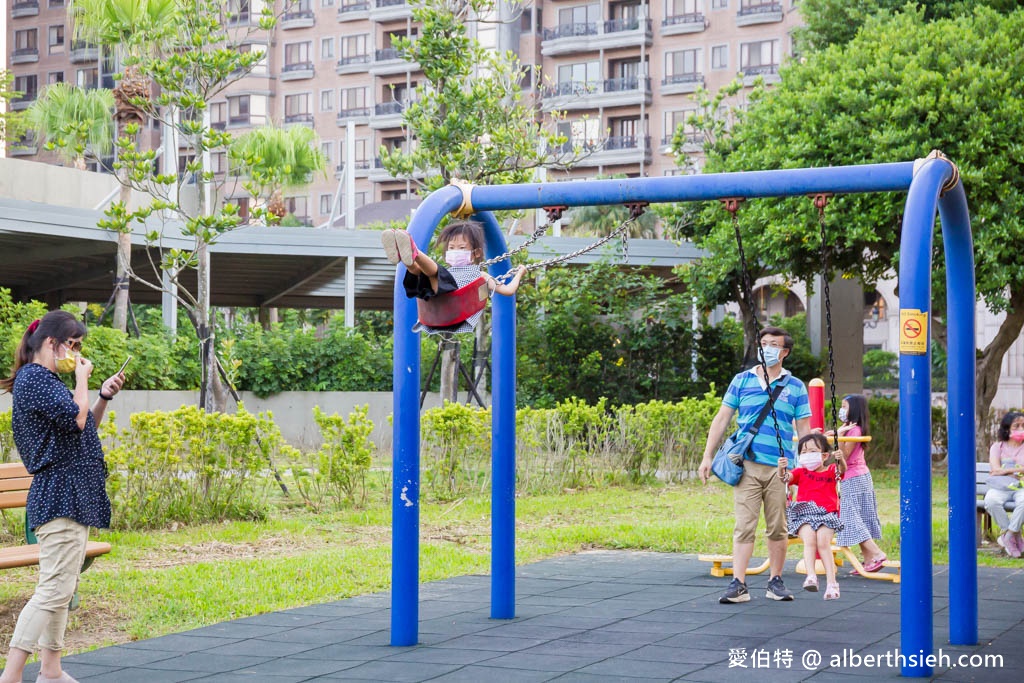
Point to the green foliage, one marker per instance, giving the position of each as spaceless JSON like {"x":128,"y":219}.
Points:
{"x":455,"y":442}
{"x":880,"y":369}
{"x":6,"y":437}
{"x":835,"y":22}
{"x":340,"y":466}
{"x":801,"y":361}
{"x":884,"y":448}
{"x":74,"y":121}
{"x":187,"y":466}
{"x":12,"y":123}
{"x":14,"y":320}
{"x":468,"y":116}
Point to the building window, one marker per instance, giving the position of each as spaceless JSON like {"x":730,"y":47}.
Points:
{"x":325,"y":204}
{"x":326,"y":100}
{"x":583,"y":133}
{"x":28,"y":86}
{"x":296,"y":108}
{"x":327,"y":48}
{"x":327,"y":149}
{"x":719,"y":4}
{"x":298,"y":207}
{"x":360,"y":199}
{"x":239,"y":11}
{"x":354,"y":46}
{"x":581,"y":14}
{"x":352,"y":98}
{"x":88,"y":78}
{"x":55,"y":4}
{"x":55,"y":40}
{"x":218,"y":162}
{"x":218,"y":115}
{"x":238,"y":110}
{"x":327,"y":3}
{"x":393,"y":195}
{"x":578,"y":75}
{"x":673,"y":121}
{"x":761,"y":57}
{"x":297,"y":54}
{"x":54,"y":77}
{"x":259,"y":67}
{"x":720,"y":57}
{"x":682,"y":66}
{"x":675,"y":8}
{"x":26,"y":42}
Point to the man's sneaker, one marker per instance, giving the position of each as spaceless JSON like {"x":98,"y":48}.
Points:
{"x":737,"y":593}
{"x":777,"y":590}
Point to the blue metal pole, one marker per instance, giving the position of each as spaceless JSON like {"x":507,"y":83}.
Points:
{"x":960,"y":417}
{"x":782,"y":183}
{"x":915,"y":417}
{"x":405,"y":511}
{"x":503,"y":434}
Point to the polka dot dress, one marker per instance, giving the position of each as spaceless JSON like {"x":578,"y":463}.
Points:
{"x":67,"y":462}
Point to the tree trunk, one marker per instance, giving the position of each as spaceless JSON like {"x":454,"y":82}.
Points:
{"x":450,"y":371}
{"x":124,"y":259}
{"x":210,"y":393}
{"x":990,"y":365}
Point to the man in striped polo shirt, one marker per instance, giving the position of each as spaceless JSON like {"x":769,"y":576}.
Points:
{"x":760,"y":485}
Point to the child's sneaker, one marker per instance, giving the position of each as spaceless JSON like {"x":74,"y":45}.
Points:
{"x":832,"y":591}
{"x":777,"y":590}
{"x":737,"y":592}
{"x":387,"y":239}
{"x":811,"y":583}
{"x":406,"y":247}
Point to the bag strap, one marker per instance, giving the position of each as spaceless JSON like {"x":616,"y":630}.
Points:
{"x":754,"y":428}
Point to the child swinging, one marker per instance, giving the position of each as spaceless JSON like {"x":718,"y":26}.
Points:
{"x":425,"y":279}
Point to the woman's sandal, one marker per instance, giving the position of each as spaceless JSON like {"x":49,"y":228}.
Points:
{"x":832,"y":591}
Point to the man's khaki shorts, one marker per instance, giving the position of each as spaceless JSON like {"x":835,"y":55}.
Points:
{"x":759,"y":486}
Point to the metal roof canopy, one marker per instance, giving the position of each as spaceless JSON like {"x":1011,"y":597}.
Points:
{"x":57,"y":254}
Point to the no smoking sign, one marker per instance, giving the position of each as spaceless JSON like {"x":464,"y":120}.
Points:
{"x":913,"y":331}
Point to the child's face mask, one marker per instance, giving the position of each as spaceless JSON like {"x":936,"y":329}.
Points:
{"x":843,"y":414}
{"x":458,"y":257}
{"x":811,"y":460}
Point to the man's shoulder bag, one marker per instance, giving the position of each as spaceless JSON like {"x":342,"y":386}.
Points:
{"x":727,"y":464}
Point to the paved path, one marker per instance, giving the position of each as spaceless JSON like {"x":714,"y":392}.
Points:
{"x":596,"y":617}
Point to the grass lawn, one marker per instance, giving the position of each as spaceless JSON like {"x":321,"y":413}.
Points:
{"x":177,"y":579}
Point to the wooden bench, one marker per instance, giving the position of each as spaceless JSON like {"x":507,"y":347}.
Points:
{"x":983,"y":524}
{"x":14,"y":483}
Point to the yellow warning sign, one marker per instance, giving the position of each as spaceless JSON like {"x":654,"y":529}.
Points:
{"x":913,"y":332}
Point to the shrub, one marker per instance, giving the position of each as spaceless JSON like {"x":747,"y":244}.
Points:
{"x":6,"y":437}
{"x":187,"y":466}
{"x":456,"y":442}
{"x":340,"y":466}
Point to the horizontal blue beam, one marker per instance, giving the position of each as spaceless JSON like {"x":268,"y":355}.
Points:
{"x":782,"y":183}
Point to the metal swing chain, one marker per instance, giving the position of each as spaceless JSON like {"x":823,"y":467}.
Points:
{"x":820,"y":202}
{"x":554,"y":214}
{"x":732,"y":205}
{"x":636,"y":210}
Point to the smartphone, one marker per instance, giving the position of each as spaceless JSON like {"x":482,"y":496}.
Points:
{"x":124,"y":365}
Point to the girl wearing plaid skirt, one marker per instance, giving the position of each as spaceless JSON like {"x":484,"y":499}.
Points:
{"x":814,"y":515}
{"x":859,"y":512}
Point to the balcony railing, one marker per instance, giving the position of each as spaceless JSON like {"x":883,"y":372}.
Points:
{"x":695,"y":18}
{"x":298,"y":18}
{"x":25,"y":54}
{"x":624,"y":84}
{"x":242,"y":18}
{"x":297,"y":71}
{"x":570,"y":30}
{"x":626,"y":142}
{"x":761,"y":70}
{"x":692,"y":77}
{"x":388,"y":108}
{"x":304,"y":118}
{"x":386,"y":54}
{"x":240,"y":120}
{"x":83,"y":52}
{"x":388,"y":3}
{"x":621,"y":25}
{"x":356,"y":113}
{"x":762,"y":8}
{"x":689,"y":140}
{"x":354,"y":59}
{"x":25,"y":100}
{"x":352,"y":8}
{"x":25,"y":8}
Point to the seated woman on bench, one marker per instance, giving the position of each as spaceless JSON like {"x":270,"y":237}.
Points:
{"x":425,"y":279}
{"x":814,"y":515}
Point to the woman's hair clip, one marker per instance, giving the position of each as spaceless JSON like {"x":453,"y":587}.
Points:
{"x":33,"y":326}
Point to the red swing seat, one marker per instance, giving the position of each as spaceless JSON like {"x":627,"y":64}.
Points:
{"x":454,"y":307}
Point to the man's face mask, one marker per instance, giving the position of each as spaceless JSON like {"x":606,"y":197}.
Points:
{"x":771,"y":355}
{"x":811,"y":460}
{"x":458,"y":257}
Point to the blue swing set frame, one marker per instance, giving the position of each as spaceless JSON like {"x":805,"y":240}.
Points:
{"x":931,"y":184}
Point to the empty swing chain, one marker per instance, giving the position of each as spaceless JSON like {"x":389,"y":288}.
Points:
{"x":732,"y":205}
{"x":635,"y":211}
{"x":554,"y":214}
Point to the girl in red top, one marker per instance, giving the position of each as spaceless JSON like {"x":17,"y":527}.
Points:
{"x":814,"y":515}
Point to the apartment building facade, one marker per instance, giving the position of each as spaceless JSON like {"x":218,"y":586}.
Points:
{"x":622,"y":71}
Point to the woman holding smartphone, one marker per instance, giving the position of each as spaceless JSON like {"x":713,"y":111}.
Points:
{"x":55,"y":432}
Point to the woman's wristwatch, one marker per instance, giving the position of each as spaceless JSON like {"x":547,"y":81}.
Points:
{"x":105,"y":397}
